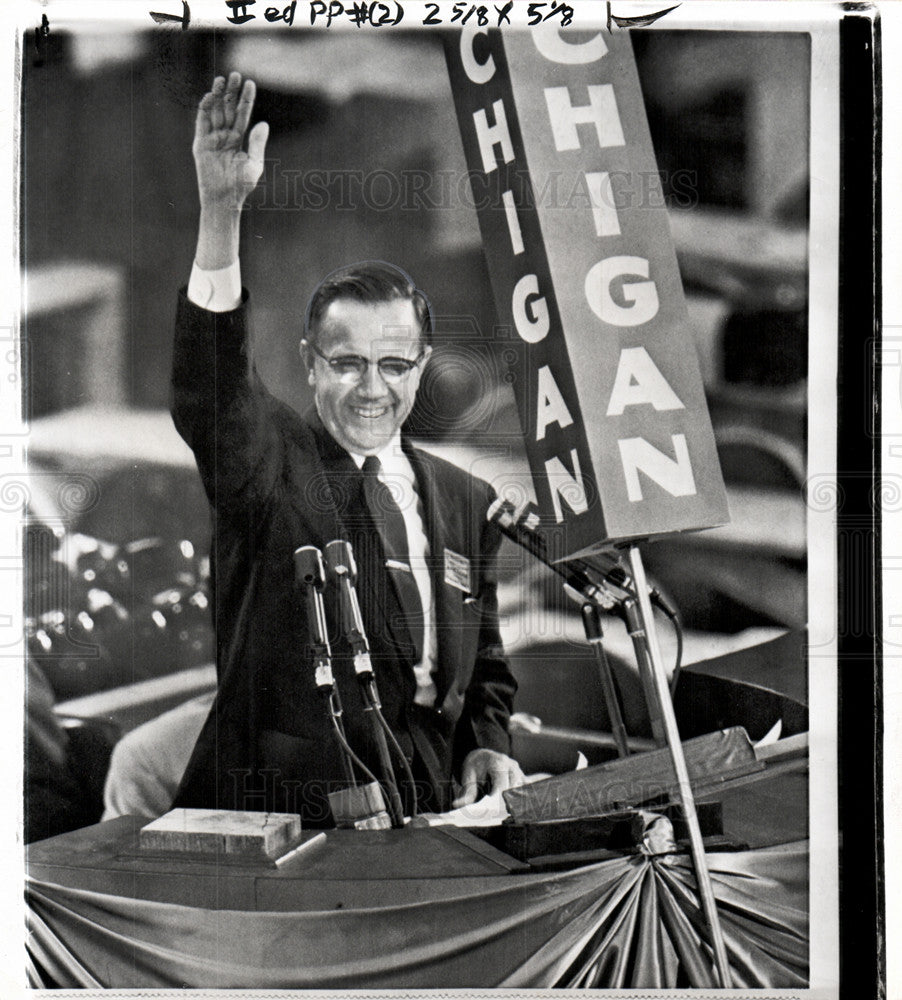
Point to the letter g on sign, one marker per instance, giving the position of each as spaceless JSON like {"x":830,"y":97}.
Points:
{"x":642,"y":295}
{"x":530,"y":310}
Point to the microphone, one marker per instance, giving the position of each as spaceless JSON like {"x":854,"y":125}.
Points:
{"x":342,"y":569}
{"x":577,"y":579}
{"x":586,"y":591}
{"x":309,"y":573}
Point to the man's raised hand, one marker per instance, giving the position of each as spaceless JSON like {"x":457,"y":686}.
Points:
{"x":226,"y":174}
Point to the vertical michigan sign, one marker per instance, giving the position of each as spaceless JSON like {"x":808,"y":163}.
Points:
{"x":584,"y":272}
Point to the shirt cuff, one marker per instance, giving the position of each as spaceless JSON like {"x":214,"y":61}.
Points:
{"x":216,"y":291}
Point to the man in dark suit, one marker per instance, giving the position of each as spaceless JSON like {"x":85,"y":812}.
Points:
{"x":277,"y":481}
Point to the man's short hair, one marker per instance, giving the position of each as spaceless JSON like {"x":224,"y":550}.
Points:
{"x":367,"y":281}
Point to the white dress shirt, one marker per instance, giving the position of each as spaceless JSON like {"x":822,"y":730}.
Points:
{"x":220,"y":291}
{"x":397,"y":474}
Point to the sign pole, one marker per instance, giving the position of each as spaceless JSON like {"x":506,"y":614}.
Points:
{"x":687,"y":799}
{"x":591,"y":613}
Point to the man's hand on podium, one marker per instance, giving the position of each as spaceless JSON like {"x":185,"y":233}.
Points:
{"x":487,"y":771}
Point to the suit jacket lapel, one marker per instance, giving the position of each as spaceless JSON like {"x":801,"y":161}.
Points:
{"x":443,"y":530}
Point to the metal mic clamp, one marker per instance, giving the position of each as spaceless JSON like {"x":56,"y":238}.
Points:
{"x":310,"y":573}
{"x":342,"y":568}
{"x":579,"y":585}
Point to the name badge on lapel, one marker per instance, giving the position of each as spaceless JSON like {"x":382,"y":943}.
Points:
{"x":457,"y":572}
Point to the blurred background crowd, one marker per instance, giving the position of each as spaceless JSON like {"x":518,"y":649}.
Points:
{"x":365,"y":160}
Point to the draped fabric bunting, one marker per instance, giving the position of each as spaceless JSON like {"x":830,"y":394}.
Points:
{"x":630,"y":922}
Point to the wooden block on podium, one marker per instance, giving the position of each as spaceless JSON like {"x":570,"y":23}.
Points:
{"x":221,"y":831}
{"x":360,"y":808}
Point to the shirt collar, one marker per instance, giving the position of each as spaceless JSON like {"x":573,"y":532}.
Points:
{"x":388,"y":456}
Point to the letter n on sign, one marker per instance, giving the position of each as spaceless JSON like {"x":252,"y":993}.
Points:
{"x":584,"y":272}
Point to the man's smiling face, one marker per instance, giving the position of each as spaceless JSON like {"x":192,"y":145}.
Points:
{"x":363,"y":414}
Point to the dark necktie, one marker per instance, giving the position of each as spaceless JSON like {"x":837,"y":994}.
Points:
{"x":389,"y":522}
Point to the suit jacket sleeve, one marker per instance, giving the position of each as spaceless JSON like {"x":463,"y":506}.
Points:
{"x":221,"y":407}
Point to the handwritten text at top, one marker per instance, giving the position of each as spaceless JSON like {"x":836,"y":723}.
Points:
{"x":390,"y":12}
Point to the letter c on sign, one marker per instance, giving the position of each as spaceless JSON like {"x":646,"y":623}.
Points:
{"x":533,"y":325}
{"x":642,"y":294}
{"x":478,"y":72}
{"x":548,"y":41}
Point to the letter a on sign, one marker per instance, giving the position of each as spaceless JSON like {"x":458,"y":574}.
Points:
{"x":639,"y":381}
{"x":616,"y":427}
{"x":551,"y":409}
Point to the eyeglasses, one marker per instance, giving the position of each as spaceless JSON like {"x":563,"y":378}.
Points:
{"x":352,"y":368}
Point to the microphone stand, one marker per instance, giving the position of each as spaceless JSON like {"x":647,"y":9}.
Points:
{"x":343,"y":568}
{"x":591,"y":615}
{"x":357,"y":806}
{"x":635,"y":626}
{"x":309,"y":571}
{"x":593,"y":597}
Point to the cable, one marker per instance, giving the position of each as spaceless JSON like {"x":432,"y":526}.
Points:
{"x":336,"y":714}
{"x":662,"y":602}
{"x":389,"y":783}
{"x":347,"y":748}
{"x":404,"y":762}
{"x":678,"y":630}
